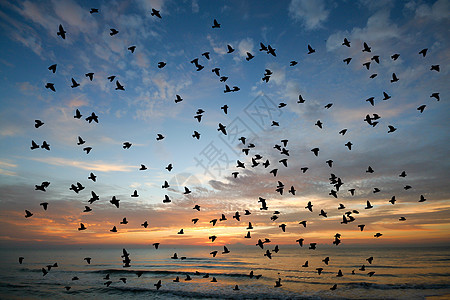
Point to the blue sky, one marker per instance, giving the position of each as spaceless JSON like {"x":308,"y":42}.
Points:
{"x":419,"y":146}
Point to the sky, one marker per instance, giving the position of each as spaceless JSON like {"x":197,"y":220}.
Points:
{"x":146,"y":107}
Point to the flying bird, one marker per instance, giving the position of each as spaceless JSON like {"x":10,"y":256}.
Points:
{"x":366,"y":48}
{"x":61,"y":32}
{"x":53,"y":68}
{"x":215,"y":24}
{"x":155,"y":13}
{"x":346,"y":42}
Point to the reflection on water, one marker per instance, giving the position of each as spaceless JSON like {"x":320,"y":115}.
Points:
{"x":399,"y":273}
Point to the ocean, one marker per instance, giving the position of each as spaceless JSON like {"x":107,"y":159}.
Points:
{"x":400,"y":273}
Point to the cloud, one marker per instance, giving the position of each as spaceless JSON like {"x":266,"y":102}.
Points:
{"x":244,"y":46}
{"x":74,"y":17}
{"x":311,"y":13}
{"x":195,"y":7}
{"x":90,"y":166}
{"x":4,"y":166}
{"x":378,"y":28}
{"x":438,"y":11}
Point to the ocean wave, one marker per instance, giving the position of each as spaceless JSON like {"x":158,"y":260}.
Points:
{"x":163,"y":272}
{"x":183,"y":294}
{"x":406,"y":286}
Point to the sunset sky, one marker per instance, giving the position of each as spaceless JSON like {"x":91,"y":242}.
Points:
{"x":147,"y":107}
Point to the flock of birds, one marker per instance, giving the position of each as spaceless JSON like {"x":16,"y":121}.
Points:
{"x":335,"y":181}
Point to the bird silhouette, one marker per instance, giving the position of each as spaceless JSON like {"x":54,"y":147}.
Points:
{"x":61,"y":32}
{"x":435,"y":68}
{"x":206,"y":55}
{"x":93,"y":10}
{"x":421,"y":108}
{"x":119,"y":86}
{"x":436,"y":96}
{"x":230,"y":49}
{"x":215,"y":24}
{"x":132,"y":48}
{"x":222,"y":128}
{"x":346,"y":42}
{"x":158,"y":285}
{"x":394,"y":78}
{"x":423,"y":52}
{"x":50,"y":86}
{"x":53,"y":68}
{"x":74,"y":84}
{"x":310,"y":49}
{"x":366,"y":48}
{"x":391,"y":128}
{"x":155,"y":13}
{"x":347,"y":60}
{"x":113,"y":32}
